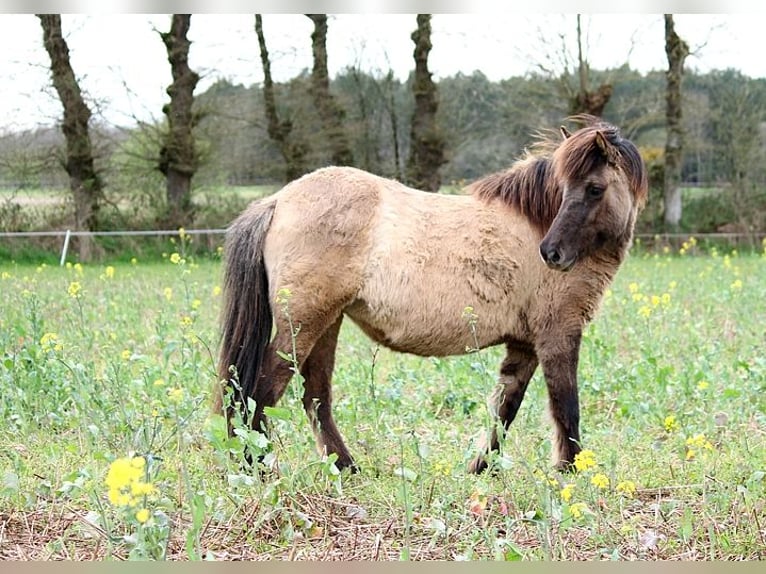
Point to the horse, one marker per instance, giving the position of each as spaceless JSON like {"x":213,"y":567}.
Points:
{"x":530,"y":250}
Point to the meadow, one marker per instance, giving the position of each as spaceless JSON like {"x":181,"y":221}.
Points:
{"x":109,"y":449}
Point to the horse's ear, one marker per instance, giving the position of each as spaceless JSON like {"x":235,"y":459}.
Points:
{"x":609,"y":150}
{"x":565,"y":132}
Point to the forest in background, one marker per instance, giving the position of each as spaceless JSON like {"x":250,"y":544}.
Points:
{"x":484,"y":126}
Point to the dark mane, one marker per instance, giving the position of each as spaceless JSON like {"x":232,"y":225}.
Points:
{"x":532,"y":184}
{"x":528,"y":187}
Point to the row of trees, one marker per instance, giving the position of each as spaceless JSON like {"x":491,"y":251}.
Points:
{"x":419,"y":131}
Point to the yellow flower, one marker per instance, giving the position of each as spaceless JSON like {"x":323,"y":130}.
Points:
{"x":78,"y":268}
{"x":665,"y":299}
{"x":737,"y":285}
{"x":600,"y":480}
{"x":196,"y":304}
{"x":633,"y":287}
{"x":109,"y":272}
{"x":175,"y":258}
{"x":181,"y":233}
{"x":126,"y":354}
{"x":159,"y":382}
{"x":176,"y":394}
{"x":702,"y":385}
{"x":133,"y":261}
{"x":626,"y":488}
{"x":50,"y":341}
{"x":186,"y":322}
{"x":584,"y":460}
{"x":216,"y":291}
{"x":695,"y":443}
{"x":142,"y":515}
{"x":168,"y":292}
{"x":74,"y":289}
{"x":566,"y":492}
{"x":670,"y":423}
{"x":577,"y":509}
{"x":655,"y":300}
{"x":645,"y":311}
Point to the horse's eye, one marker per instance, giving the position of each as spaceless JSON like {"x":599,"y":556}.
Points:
{"x":594,"y":191}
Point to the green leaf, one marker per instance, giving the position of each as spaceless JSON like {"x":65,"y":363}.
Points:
{"x":280,"y":413}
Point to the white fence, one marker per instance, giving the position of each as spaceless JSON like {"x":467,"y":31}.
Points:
{"x":69,"y":233}
{"x":643,"y":237}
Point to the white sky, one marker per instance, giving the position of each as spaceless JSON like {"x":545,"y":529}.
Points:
{"x":122,"y":63}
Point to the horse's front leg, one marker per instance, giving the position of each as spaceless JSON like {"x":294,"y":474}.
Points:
{"x":515,"y":372}
{"x":559,"y":357}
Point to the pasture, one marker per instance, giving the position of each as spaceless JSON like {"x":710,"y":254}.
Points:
{"x":109,"y":449}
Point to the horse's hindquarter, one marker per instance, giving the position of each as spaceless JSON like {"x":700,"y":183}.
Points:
{"x":431,"y":257}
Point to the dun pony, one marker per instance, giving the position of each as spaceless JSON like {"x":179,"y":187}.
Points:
{"x":531,"y":250}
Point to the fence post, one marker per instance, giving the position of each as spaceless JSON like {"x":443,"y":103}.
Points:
{"x":64,"y":249}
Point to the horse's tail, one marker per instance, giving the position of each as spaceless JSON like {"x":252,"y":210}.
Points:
{"x":246,"y":317}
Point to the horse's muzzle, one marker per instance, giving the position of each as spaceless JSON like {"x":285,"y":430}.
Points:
{"x":555,"y":258}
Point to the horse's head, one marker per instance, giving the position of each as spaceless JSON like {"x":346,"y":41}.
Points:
{"x":603,"y":185}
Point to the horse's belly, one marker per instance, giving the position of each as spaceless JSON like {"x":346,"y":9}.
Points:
{"x":434,"y":325}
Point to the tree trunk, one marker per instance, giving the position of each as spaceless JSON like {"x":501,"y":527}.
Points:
{"x":330,"y":112}
{"x":586,"y":101}
{"x":677,"y":50}
{"x":426,"y":142}
{"x":178,"y":156}
{"x":294,"y":153}
{"x":84,"y":182}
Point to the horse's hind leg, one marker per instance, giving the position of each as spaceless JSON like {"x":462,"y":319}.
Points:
{"x":317,"y":396}
{"x":515,"y":372}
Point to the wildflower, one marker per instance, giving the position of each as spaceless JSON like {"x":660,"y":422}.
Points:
{"x":670,"y":423}
{"x":181,"y":233}
{"x":186,"y":322}
{"x":125,"y":481}
{"x":584,"y":460}
{"x":196,"y":304}
{"x":175,"y":258}
{"x":600,"y":480}
{"x":672,"y":285}
{"x":176,"y":394}
{"x":74,"y":289}
{"x":126,"y":355}
{"x":645,"y":311}
{"x":142,"y":515}
{"x":216,"y":291}
{"x":283,"y":296}
{"x":695,"y":443}
{"x":665,"y":299}
{"x":159,"y":382}
{"x":633,"y":287}
{"x":109,"y":272}
{"x":133,"y":261}
{"x":655,"y":300}
{"x":78,"y":268}
{"x":736,"y":285}
{"x":50,"y":342}
{"x":702,"y":385}
{"x":577,"y":509}
{"x":168,"y":292}
{"x":627,"y":488}
{"x":566,"y":492}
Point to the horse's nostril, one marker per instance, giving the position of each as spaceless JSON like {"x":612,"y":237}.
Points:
{"x":551,"y":255}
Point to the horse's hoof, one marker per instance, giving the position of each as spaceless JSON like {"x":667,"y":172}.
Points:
{"x":478,"y":465}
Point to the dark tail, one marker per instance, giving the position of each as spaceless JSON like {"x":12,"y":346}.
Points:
{"x":246,"y":316}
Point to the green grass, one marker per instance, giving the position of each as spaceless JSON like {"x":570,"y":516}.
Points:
{"x":101,"y":362}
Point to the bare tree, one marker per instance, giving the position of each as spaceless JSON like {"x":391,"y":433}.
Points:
{"x":426,"y":143}
{"x":585,"y":100}
{"x":84,"y":181}
{"x":280,"y":131}
{"x":178,"y":156}
{"x":330,"y":112}
{"x":676,"y":50}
